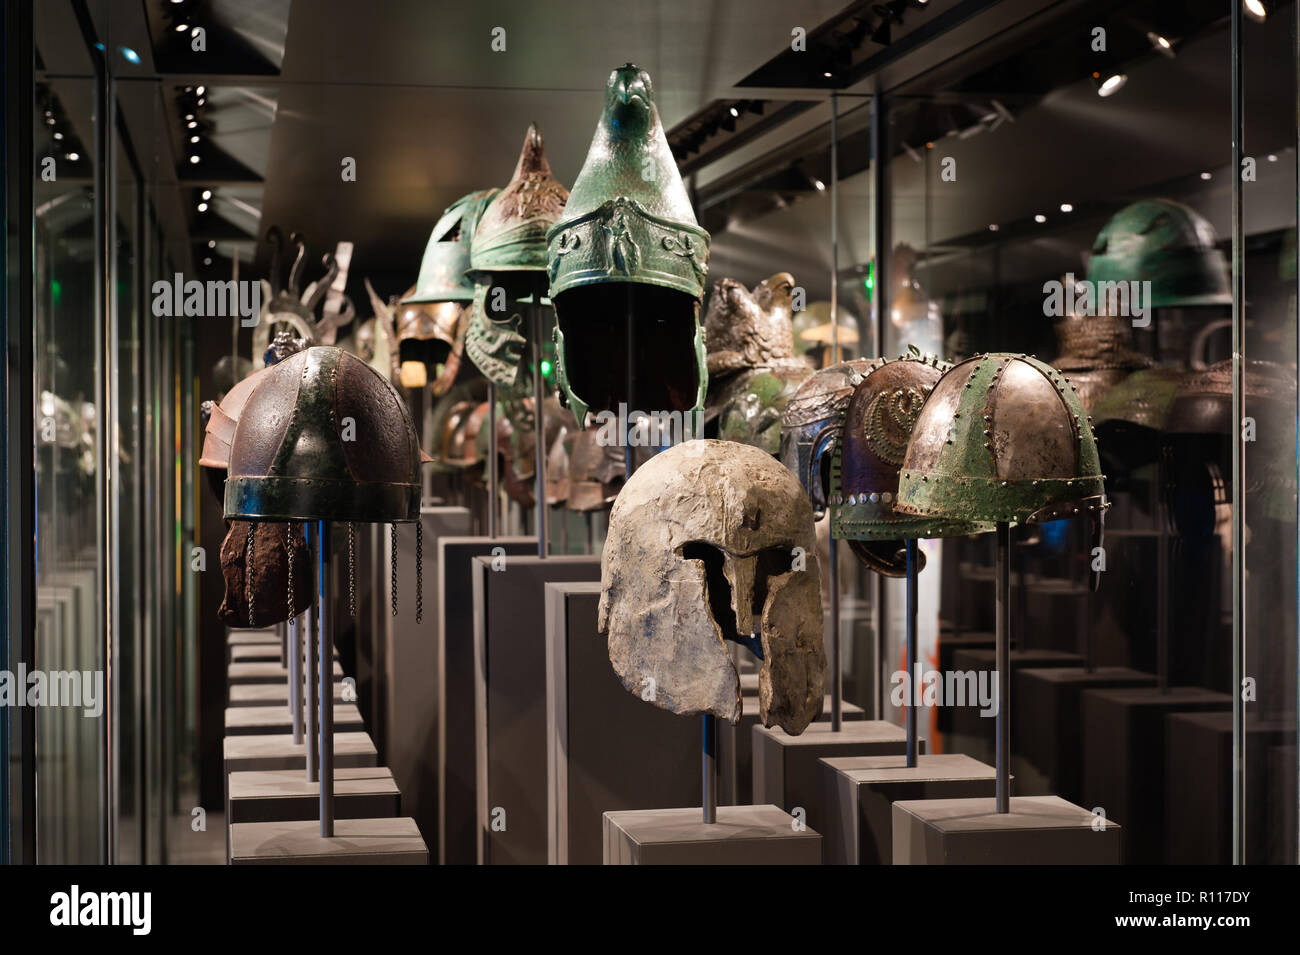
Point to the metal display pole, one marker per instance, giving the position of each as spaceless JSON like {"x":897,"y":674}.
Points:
{"x":1003,"y":664}
{"x":539,"y":425}
{"x":296,"y":627}
{"x":709,"y":767}
{"x":837,"y":677}
{"x":282,"y":631}
{"x":325,"y":693}
{"x":493,"y":493}
{"x":912,"y":670}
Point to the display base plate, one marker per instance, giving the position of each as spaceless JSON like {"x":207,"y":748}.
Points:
{"x":355,"y":842}
{"x":250,"y":753}
{"x":270,"y":694}
{"x":743,"y":835}
{"x":1039,"y":830}
{"x":275,"y":720}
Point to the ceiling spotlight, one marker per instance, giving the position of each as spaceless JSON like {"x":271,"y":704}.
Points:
{"x":192,"y":124}
{"x":49,"y":120}
{"x":1040,"y":218}
{"x":1206,"y":176}
{"x":1255,"y":9}
{"x":129,"y":55}
{"x":178,"y":1}
{"x":1162,"y":45}
{"x":73,"y":157}
{"x":194,"y":160}
{"x":1272,"y":157}
{"x":1066,"y":207}
{"x":189,"y":117}
{"x":1110,"y":85}
{"x":827,"y":74}
{"x":207,"y":260}
{"x":201,"y":101}
{"x":993,"y":227}
{"x":182,"y":27}
{"x":207,"y":194}
{"x":58,"y":135}
{"x":194,"y":139}
{"x":735,"y":112}
{"x":820,"y":186}
{"x":203,"y":207}
{"x":212,"y":243}
{"x":201,"y":90}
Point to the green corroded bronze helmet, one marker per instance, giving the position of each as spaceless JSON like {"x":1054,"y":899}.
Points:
{"x":447,"y":256}
{"x":1167,"y":244}
{"x":878,"y":424}
{"x":1002,"y":438}
{"x":324,"y":437}
{"x":629,"y":252}
{"x":508,"y":264}
{"x":1129,"y":418}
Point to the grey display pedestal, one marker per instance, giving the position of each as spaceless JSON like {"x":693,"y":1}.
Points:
{"x":786,"y":773}
{"x":251,"y":673}
{"x":457,"y":799}
{"x":355,"y":842}
{"x":606,"y":748}
{"x":978,"y":731}
{"x":859,"y":826}
{"x":1198,"y":793}
{"x":285,"y":795}
{"x":736,"y":743}
{"x":411,"y":701}
{"x":251,"y":753}
{"x":271,"y":694}
{"x":275,"y":720}
{"x":510,"y":701}
{"x":1039,"y":830}
{"x":743,"y":835}
{"x":1047,"y":720}
{"x":1124,"y":750}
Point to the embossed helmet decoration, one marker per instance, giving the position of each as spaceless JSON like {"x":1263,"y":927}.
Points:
{"x":628,"y":252}
{"x":712,"y":541}
{"x":878,"y":425}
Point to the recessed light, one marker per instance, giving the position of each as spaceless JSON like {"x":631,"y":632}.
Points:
{"x":129,"y":55}
{"x":203,"y":207}
{"x":827,"y":74}
{"x":735,"y":112}
{"x":194,"y":160}
{"x":1162,"y":45}
{"x":1066,"y":207}
{"x":821,"y":186}
{"x":212,"y":243}
{"x":73,"y":157}
{"x":201,"y":90}
{"x":59,"y":135}
{"x":1111,"y":84}
{"x":1040,"y":218}
{"x":207,"y":194}
{"x":993,"y":227}
{"x":1206,"y":176}
{"x":189,"y":117}
{"x":1255,"y":9}
{"x":1272,"y":157}
{"x":194,"y":139}
{"x":182,"y":27}
{"x":207,"y":260}
{"x":192,"y":124}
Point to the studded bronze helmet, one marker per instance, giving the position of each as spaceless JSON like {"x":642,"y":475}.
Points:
{"x":810,"y":427}
{"x":1002,"y":438}
{"x":1095,"y":354}
{"x":509,"y":252}
{"x":878,"y":423}
{"x":628,"y":251}
{"x":1203,"y":403}
{"x":324,"y":437}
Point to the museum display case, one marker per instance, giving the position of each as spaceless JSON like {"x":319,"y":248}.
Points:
{"x":780,"y":433}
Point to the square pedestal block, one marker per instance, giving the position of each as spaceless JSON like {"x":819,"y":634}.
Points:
{"x":1124,"y":749}
{"x":240,"y":638}
{"x":275,"y":720}
{"x":736,"y":743}
{"x":510,"y":700}
{"x":355,"y":842}
{"x":950,"y":644}
{"x":1198,"y":789}
{"x":1047,"y":718}
{"x":269,"y":694}
{"x":743,"y":835}
{"x":456,"y":841}
{"x":967,"y":721}
{"x":786,"y":773}
{"x":285,"y":795}
{"x":265,"y":672}
{"x":1039,"y":830}
{"x":255,"y":653}
{"x":279,"y":752}
{"x":859,"y":824}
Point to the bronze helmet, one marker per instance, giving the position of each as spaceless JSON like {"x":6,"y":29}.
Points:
{"x":1203,"y":403}
{"x":878,"y":423}
{"x":1130,"y":416}
{"x":810,"y":427}
{"x":1095,"y":354}
{"x":596,"y":472}
{"x":324,"y":437}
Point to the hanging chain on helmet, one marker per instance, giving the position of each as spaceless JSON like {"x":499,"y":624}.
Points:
{"x":419,"y":576}
{"x":288,"y":557}
{"x":248,"y":573}
{"x":392,"y":547}
{"x":352,"y":569}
